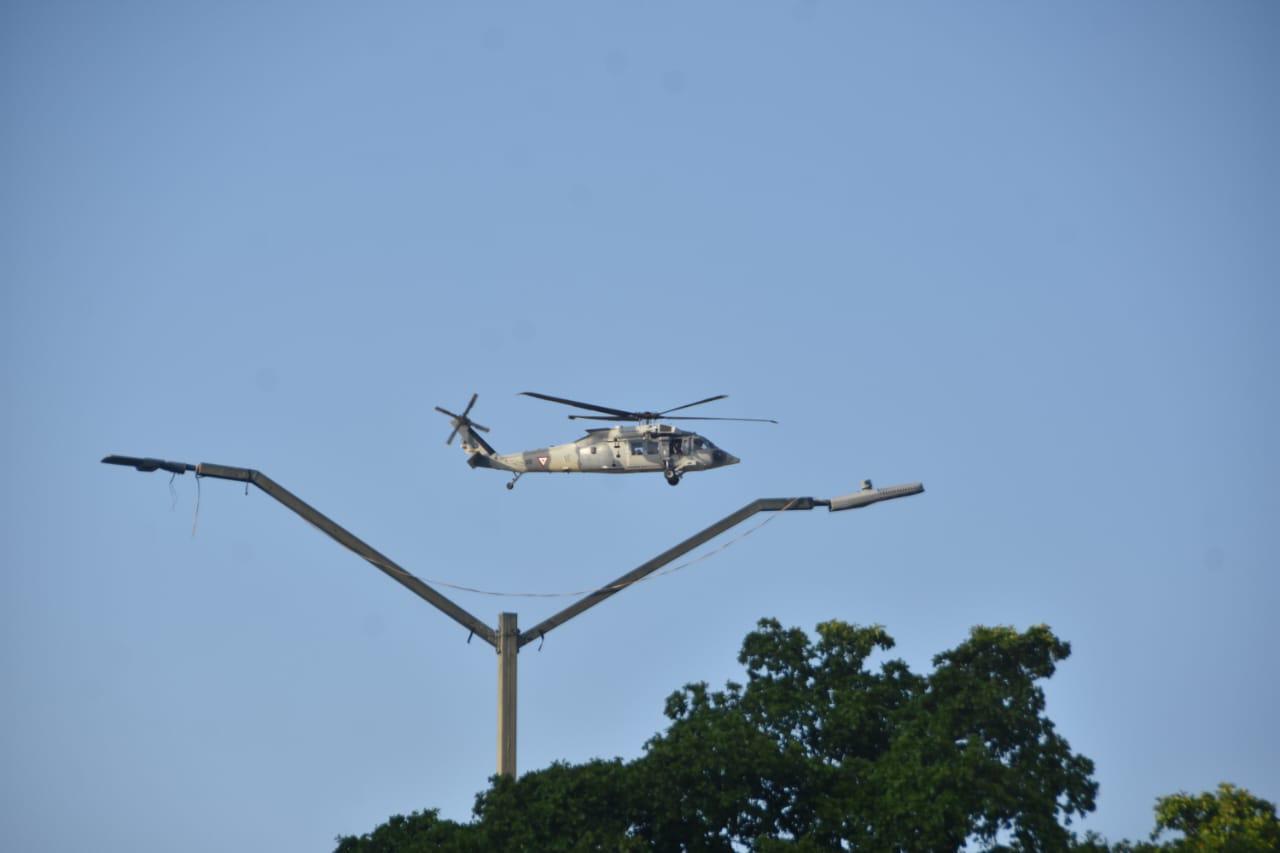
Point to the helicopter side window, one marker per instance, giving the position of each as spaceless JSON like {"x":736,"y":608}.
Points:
{"x":637,"y":448}
{"x":593,"y":450}
{"x":697,"y":444}
{"x":651,"y":448}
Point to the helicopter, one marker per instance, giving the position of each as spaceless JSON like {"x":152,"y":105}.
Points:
{"x":646,"y":447}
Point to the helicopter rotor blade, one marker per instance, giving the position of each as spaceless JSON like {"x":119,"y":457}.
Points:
{"x":453,"y":434}
{"x":617,"y":413}
{"x":692,"y":418}
{"x":699,"y":403}
{"x":672,"y":418}
{"x":445,"y":412}
{"x":603,"y":418}
{"x":467,"y":410}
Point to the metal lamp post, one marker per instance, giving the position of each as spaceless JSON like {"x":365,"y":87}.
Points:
{"x":507,"y":639}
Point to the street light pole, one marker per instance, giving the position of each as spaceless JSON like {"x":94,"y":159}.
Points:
{"x":507,"y":640}
{"x":508,"y":657}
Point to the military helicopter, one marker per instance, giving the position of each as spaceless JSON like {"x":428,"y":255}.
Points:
{"x":648,"y":446}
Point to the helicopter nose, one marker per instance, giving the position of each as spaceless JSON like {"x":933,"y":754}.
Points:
{"x":722,"y":458}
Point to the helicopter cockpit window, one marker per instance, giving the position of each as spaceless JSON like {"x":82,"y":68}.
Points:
{"x":697,"y":444}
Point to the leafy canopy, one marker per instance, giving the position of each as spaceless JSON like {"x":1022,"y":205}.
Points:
{"x":1230,"y":819}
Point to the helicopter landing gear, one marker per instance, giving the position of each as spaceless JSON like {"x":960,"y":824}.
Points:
{"x":512,"y":484}
{"x":673,"y":478}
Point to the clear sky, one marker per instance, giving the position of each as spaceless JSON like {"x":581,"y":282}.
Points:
{"x":1026,"y":253}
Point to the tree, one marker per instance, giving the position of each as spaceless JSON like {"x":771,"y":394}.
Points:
{"x":564,"y":807}
{"x":418,"y":833}
{"x":817,"y":748}
{"x":1232,"y":819}
{"x":818,"y":751}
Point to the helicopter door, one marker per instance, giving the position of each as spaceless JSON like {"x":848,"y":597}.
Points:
{"x":679,"y":449}
{"x":670,"y":451}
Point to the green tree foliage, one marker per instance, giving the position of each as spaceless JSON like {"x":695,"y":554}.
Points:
{"x":417,"y":833}
{"x":1231,"y":820}
{"x":820,"y":750}
{"x":818,"y":747}
{"x":564,"y":807}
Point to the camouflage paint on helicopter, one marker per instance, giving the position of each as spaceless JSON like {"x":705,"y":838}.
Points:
{"x":647,"y":447}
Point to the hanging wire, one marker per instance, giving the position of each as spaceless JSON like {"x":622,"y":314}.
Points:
{"x":195,"y":518}
{"x":398,"y":572}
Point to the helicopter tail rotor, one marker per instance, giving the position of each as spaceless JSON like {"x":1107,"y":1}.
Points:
{"x":462,"y":423}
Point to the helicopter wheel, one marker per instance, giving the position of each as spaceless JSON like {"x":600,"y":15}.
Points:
{"x":673,"y":479}
{"x":511,"y":485}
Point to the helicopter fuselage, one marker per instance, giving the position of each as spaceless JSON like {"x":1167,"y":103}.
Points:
{"x":615,"y":450}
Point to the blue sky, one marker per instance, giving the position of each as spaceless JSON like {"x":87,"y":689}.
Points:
{"x":1025,"y":254}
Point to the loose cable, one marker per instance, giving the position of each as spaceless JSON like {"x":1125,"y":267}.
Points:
{"x":195,"y":517}
{"x":613,"y":587}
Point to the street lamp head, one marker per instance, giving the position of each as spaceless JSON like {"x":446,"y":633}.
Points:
{"x":869,"y":495}
{"x":141,"y":463}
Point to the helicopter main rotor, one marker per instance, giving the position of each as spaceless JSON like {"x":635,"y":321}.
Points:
{"x":641,"y":417}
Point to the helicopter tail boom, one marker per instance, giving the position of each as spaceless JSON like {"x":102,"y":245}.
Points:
{"x":473,"y":444}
